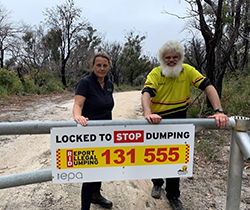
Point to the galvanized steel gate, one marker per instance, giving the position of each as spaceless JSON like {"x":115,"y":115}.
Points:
{"x":239,"y":149}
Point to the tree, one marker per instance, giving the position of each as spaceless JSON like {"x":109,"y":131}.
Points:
{"x":114,"y":49}
{"x":218,"y":49}
{"x":219,"y":23}
{"x":28,"y":53}
{"x":66,"y":19}
{"x":132,"y":61}
{"x":51,"y":43}
{"x":84,"y":49}
{"x":195,"y":54}
{"x":32,"y":53}
{"x":244,"y":40}
{"x":7,"y":33}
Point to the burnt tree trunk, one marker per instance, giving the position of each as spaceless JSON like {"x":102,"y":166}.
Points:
{"x":217,"y":58}
{"x":1,"y":55}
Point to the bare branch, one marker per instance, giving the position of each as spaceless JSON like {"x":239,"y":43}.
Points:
{"x":175,"y":15}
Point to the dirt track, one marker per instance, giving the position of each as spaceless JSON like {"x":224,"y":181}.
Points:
{"x":206,"y":190}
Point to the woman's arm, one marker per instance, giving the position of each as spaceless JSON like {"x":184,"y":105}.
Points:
{"x":77,"y":110}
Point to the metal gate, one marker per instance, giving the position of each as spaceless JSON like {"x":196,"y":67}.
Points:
{"x":239,"y":148}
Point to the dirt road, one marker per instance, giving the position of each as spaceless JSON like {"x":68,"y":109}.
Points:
{"x":22,"y":153}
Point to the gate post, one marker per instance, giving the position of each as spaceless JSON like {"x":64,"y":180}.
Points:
{"x":240,"y":147}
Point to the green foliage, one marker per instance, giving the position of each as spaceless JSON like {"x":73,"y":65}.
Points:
{"x":52,"y":41}
{"x":235,"y":101}
{"x":196,"y":103}
{"x":208,"y":144}
{"x":29,"y":85}
{"x":10,"y":83}
{"x":3,"y":92}
{"x":122,"y":88}
{"x":132,"y":61}
{"x":48,"y":83}
{"x":45,"y":83}
{"x":193,"y":112}
{"x":236,"y":95}
{"x":205,"y":148}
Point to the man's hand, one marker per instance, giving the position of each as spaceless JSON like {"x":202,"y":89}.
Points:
{"x":153,"y":118}
{"x":221,"y":119}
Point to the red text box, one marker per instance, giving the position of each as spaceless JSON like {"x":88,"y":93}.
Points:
{"x":135,"y":136}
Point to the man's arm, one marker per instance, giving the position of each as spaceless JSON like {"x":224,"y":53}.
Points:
{"x":146,"y":106}
{"x":221,"y":118}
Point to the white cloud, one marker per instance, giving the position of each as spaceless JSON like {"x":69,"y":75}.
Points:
{"x":114,"y":17}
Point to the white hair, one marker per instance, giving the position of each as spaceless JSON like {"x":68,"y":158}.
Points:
{"x":171,"y":46}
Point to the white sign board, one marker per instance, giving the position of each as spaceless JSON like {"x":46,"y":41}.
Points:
{"x":109,"y":153}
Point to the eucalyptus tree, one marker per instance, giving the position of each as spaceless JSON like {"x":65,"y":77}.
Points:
{"x":85,"y":46}
{"x":132,"y":61}
{"x":66,"y":20}
{"x":51,"y":43}
{"x":219,"y":22}
{"x":243,"y":44}
{"x":195,"y":54}
{"x":27,"y":53}
{"x":114,"y":49}
{"x":213,"y":22}
{"x":8,"y":33}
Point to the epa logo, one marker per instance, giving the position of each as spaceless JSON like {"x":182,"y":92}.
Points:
{"x":70,"y":177}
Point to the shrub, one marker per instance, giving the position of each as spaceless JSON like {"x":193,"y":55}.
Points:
{"x":47,"y":83}
{"x":236,"y":95}
{"x":193,"y":112}
{"x":10,"y":82}
{"x":29,"y":85}
{"x":126,"y":88}
{"x":3,"y":92}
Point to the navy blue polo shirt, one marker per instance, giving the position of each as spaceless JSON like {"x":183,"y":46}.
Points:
{"x":99,"y":102}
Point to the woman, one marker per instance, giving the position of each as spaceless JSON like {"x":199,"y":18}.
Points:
{"x":94,"y":101}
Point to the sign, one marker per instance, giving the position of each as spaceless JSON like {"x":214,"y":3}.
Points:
{"x":109,"y":153}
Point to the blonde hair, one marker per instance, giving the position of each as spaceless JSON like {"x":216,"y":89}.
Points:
{"x":102,"y":55}
{"x":171,"y":46}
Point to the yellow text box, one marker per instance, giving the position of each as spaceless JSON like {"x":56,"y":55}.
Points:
{"x":122,"y":156}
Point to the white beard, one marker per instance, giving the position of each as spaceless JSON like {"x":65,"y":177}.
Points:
{"x":171,"y":71}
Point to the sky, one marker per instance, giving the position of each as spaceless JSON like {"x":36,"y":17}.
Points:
{"x":115,"y":18}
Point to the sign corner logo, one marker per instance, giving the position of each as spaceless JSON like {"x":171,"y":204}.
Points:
{"x":70,"y":176}
{"x":183,"y":170}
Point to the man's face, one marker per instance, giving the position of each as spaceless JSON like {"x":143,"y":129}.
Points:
{"x":172,"y":65}
{"x":171,"y":59}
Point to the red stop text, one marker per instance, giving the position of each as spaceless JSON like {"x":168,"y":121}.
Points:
{"x":128,"y":136}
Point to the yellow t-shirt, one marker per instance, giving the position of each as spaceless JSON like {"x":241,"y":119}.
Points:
{"x":172,"y":94}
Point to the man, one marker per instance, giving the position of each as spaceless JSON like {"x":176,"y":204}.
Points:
{"x":166,"y":94}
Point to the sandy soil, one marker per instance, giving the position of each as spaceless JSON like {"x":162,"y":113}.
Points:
{"x":22,"y":153}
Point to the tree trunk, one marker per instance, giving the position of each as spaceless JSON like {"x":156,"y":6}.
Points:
{"x":2,"y":54}
{"x":19,"y":72}
{"x":246,"y":31}
{"x":63,"y":72}
{"x":63,"y":68}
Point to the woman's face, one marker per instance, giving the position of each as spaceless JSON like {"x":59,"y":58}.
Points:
{"x":101,"y":67}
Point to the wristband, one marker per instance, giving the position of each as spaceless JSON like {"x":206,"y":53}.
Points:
{"x":220,"y":110}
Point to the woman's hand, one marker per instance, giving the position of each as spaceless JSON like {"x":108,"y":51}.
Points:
{"x":82,"y":120}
